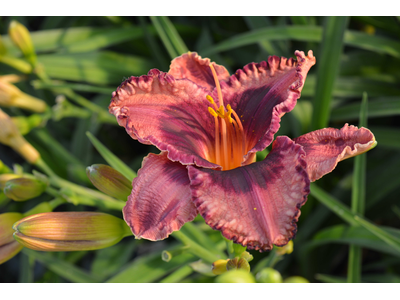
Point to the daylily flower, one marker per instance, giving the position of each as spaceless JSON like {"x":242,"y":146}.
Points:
{"x":209,"y":126}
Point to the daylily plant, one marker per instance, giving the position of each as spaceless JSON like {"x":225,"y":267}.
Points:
{"x":209,"y":126}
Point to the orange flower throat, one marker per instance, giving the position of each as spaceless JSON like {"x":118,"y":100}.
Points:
{"x":230,"y":141}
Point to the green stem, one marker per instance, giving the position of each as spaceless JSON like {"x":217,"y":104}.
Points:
{"x":90,"y":197}
{"x":195,"y":248}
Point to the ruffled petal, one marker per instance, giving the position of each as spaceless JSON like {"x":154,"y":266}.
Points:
{"x":256,"y":205}
{"x":326,"y":147}
{"x":160,"y":202}
{"x":170,"y":114}
{"x":262,"y":93}
{"x":193,"y":67}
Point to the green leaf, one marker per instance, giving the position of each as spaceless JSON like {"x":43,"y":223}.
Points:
{"x":379,"y":107}
{"x":173,"y":35}
{"x":111,"y":159}
{"x":103,"y":67}
{"x":164,"y":37}
{"x":330,"y":279}
{"x":149,"y":268}
{"x":387,"y":137}
{"x":328,"y":69}
{"x":61,"y":267}
{"x":346,"y":214}
{"x":358,"y":199}
{"x":344,"y":234}
{"x":353,"y":38}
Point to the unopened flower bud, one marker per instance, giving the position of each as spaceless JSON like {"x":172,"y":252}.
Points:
{"x":10,"y":136}
{"x":269,"y":275}
{"x":70,"y":231}
{"x":236,"y":276}
{"x":287,"y":249}
{"x":238,"y":263}
{"x":6,"y":177}
{"x":296,"y":279}
{"x":8,"y":246}
{"x":21,"y":37}
{"x":11,"y":96}
{"x":21,"y":189}
{"x":219,"y":266}
{"x":109,"y":181}
{"x":247,"y":256}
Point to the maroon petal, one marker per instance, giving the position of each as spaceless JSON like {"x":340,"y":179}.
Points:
{"x":170,"y":114}
{"x":196,"y":69}
{"x":257,"y":205}
{"x":262,"y":93}
{"x":160,"y":202}
{"x":326,"y":147}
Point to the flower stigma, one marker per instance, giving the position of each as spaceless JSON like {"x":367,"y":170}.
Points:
{"x":230,"y":140}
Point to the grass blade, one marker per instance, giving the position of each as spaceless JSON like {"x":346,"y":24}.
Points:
{"x":111,"y":159}
{"x":346,"y":214}
{"x":328,"y":69}
{"x":164,"y":37}
{"x":358,"y":199}
{"x":62,"y":268}
{"x":173,"y":35}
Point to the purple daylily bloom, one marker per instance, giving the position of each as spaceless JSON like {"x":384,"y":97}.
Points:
{"x":207,"y":160}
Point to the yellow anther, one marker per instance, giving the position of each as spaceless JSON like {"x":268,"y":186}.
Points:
{"x":210,"y":99}
{"x":221,"y":111}
{"x":229,"y":113}
{"x":212,"y":112}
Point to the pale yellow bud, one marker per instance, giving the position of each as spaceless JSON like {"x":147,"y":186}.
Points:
{"x":11,"y":96}
{"x":10,"y":136}
{"x":21,"y":37}
{"x":219,"y":266}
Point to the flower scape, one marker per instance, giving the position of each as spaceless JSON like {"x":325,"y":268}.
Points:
{"x":209,"y":125}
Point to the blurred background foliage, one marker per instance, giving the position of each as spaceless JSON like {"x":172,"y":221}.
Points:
{"x":79,"y":61}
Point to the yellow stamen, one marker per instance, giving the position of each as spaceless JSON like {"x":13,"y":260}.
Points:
{"x":210,"y":99}
{"x":212,"y":112}
{"x":229,"y":141}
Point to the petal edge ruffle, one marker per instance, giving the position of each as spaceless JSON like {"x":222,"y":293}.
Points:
{"x":257,"y":205}
{"x":326,"y":147}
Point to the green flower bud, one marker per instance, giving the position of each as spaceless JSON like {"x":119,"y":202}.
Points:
{"x":6,"y":177}
{"x":70,"y":231}
{"x":235,"y":276}
{"x":238,"y":263}
{"x":287,"y":249}
{"x":8,"y":246}
{"x":21,"y":37}
{"x":247,"y":256}
{"x":109,"y":181}
{"x":219,"y":266}
{"x":296,"y":279}
{"x":21,"y":189}
{"x":269,"y":275}
{"x":3,"y":49}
